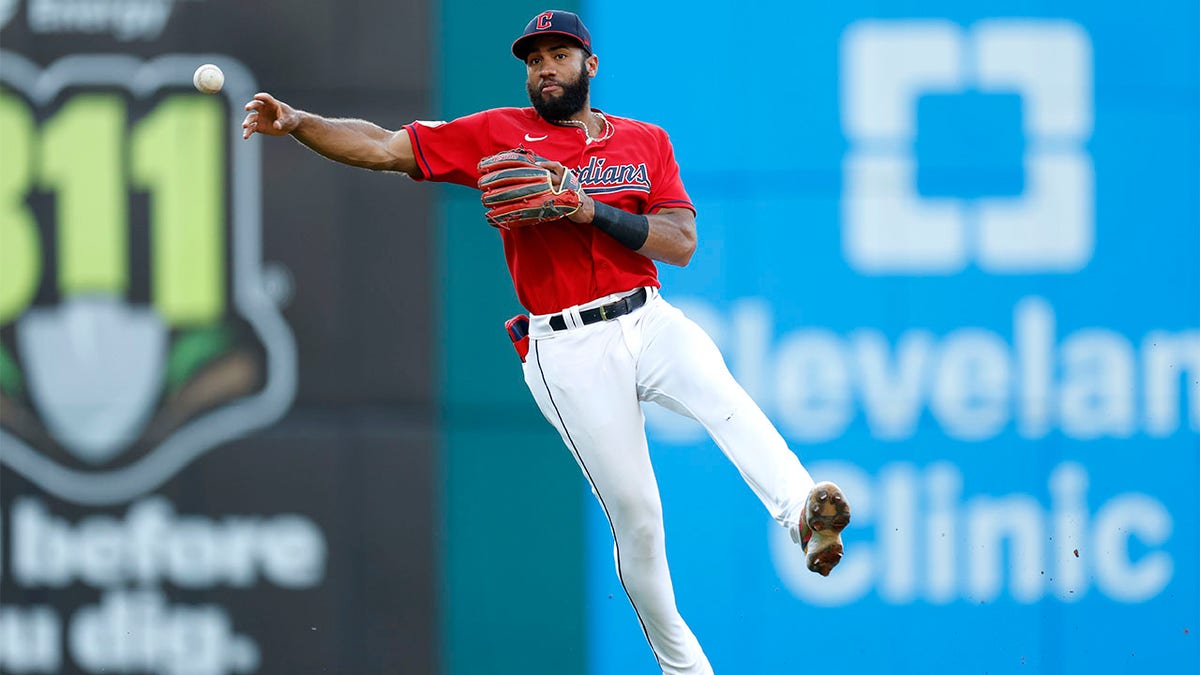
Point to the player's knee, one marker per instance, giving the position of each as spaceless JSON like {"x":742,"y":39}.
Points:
{"x":647,"y":542}
{"x":642,"y":539}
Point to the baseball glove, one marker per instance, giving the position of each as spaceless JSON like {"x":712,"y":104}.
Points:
{"x":518,"y":193}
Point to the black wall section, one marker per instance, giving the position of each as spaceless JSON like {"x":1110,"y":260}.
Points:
{"x":304,"y":543}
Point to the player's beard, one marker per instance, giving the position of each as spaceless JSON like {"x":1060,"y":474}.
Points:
{"x":573,"y":98}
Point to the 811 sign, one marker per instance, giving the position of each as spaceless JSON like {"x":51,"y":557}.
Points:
{"x":135,"y":331}
{"x":93,"y":132}
{"x":90,"y":156}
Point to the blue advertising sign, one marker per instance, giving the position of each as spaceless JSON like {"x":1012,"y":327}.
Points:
{"x":953,"y":251}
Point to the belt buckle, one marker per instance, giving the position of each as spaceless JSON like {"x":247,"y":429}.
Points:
{"x":603,"y":314}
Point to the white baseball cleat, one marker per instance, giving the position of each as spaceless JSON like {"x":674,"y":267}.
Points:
{"x":826,"y":514}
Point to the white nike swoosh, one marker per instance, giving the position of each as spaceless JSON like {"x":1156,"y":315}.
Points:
{"x":539,"y":138}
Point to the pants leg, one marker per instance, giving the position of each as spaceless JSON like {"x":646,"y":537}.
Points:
{"x":584,"y":383}
{"x":681,"y":369}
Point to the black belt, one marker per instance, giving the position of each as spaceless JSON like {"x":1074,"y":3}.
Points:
{"x":605,"y":312}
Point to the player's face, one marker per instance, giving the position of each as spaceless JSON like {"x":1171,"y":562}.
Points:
{"x":558,"y":78}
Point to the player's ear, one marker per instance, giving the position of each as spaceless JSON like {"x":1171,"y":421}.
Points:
{"x":593,"y":64}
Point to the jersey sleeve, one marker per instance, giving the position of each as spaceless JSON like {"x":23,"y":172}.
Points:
{"x":667,"y":190}
{"x":448,"y":152}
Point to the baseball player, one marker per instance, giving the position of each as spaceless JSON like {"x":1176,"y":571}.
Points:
{"x":585,"y":202}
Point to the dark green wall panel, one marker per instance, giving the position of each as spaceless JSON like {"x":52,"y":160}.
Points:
{"x":513,"y":502}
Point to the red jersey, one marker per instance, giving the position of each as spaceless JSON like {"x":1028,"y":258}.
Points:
{"x":560,"y":264}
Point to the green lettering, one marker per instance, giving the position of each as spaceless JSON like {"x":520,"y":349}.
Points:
{"x":178,"y":155}
{"x":82,"y":149}
{"x":20,"y":246}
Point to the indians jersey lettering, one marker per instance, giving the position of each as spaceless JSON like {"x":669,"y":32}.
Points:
{"x":597,"y":178}
{"x":561,"y":264}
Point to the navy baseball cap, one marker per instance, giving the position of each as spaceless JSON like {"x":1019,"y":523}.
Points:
{"x":553,"y":22}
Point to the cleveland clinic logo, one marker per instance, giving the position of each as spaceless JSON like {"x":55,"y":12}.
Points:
{"x":136,"y":332}
{"x":1042,"y":222}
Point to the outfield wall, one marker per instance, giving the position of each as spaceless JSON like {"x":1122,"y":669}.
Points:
{"x":952,"y":251}
{"x":274,"y":425}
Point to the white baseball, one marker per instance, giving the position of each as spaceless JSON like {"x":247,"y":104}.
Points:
{"x":208,"y":78}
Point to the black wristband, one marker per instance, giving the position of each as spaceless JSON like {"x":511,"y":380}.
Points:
{"x":629,"y":229}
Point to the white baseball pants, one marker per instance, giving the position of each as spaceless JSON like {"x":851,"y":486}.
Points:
{"x":588,"y":382}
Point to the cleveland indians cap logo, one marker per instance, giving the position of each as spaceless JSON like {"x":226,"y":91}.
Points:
{"x":544,"y":20}
{"x":135,"y":329}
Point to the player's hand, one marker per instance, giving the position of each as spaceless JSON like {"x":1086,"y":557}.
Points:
{"x":587,"y":208}
{"x":270,"y":116}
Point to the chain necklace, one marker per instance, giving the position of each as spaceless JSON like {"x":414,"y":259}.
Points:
{"x":604,"y":135}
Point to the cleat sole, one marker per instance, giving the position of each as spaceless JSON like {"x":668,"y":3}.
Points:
{"x":827,"y":513}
